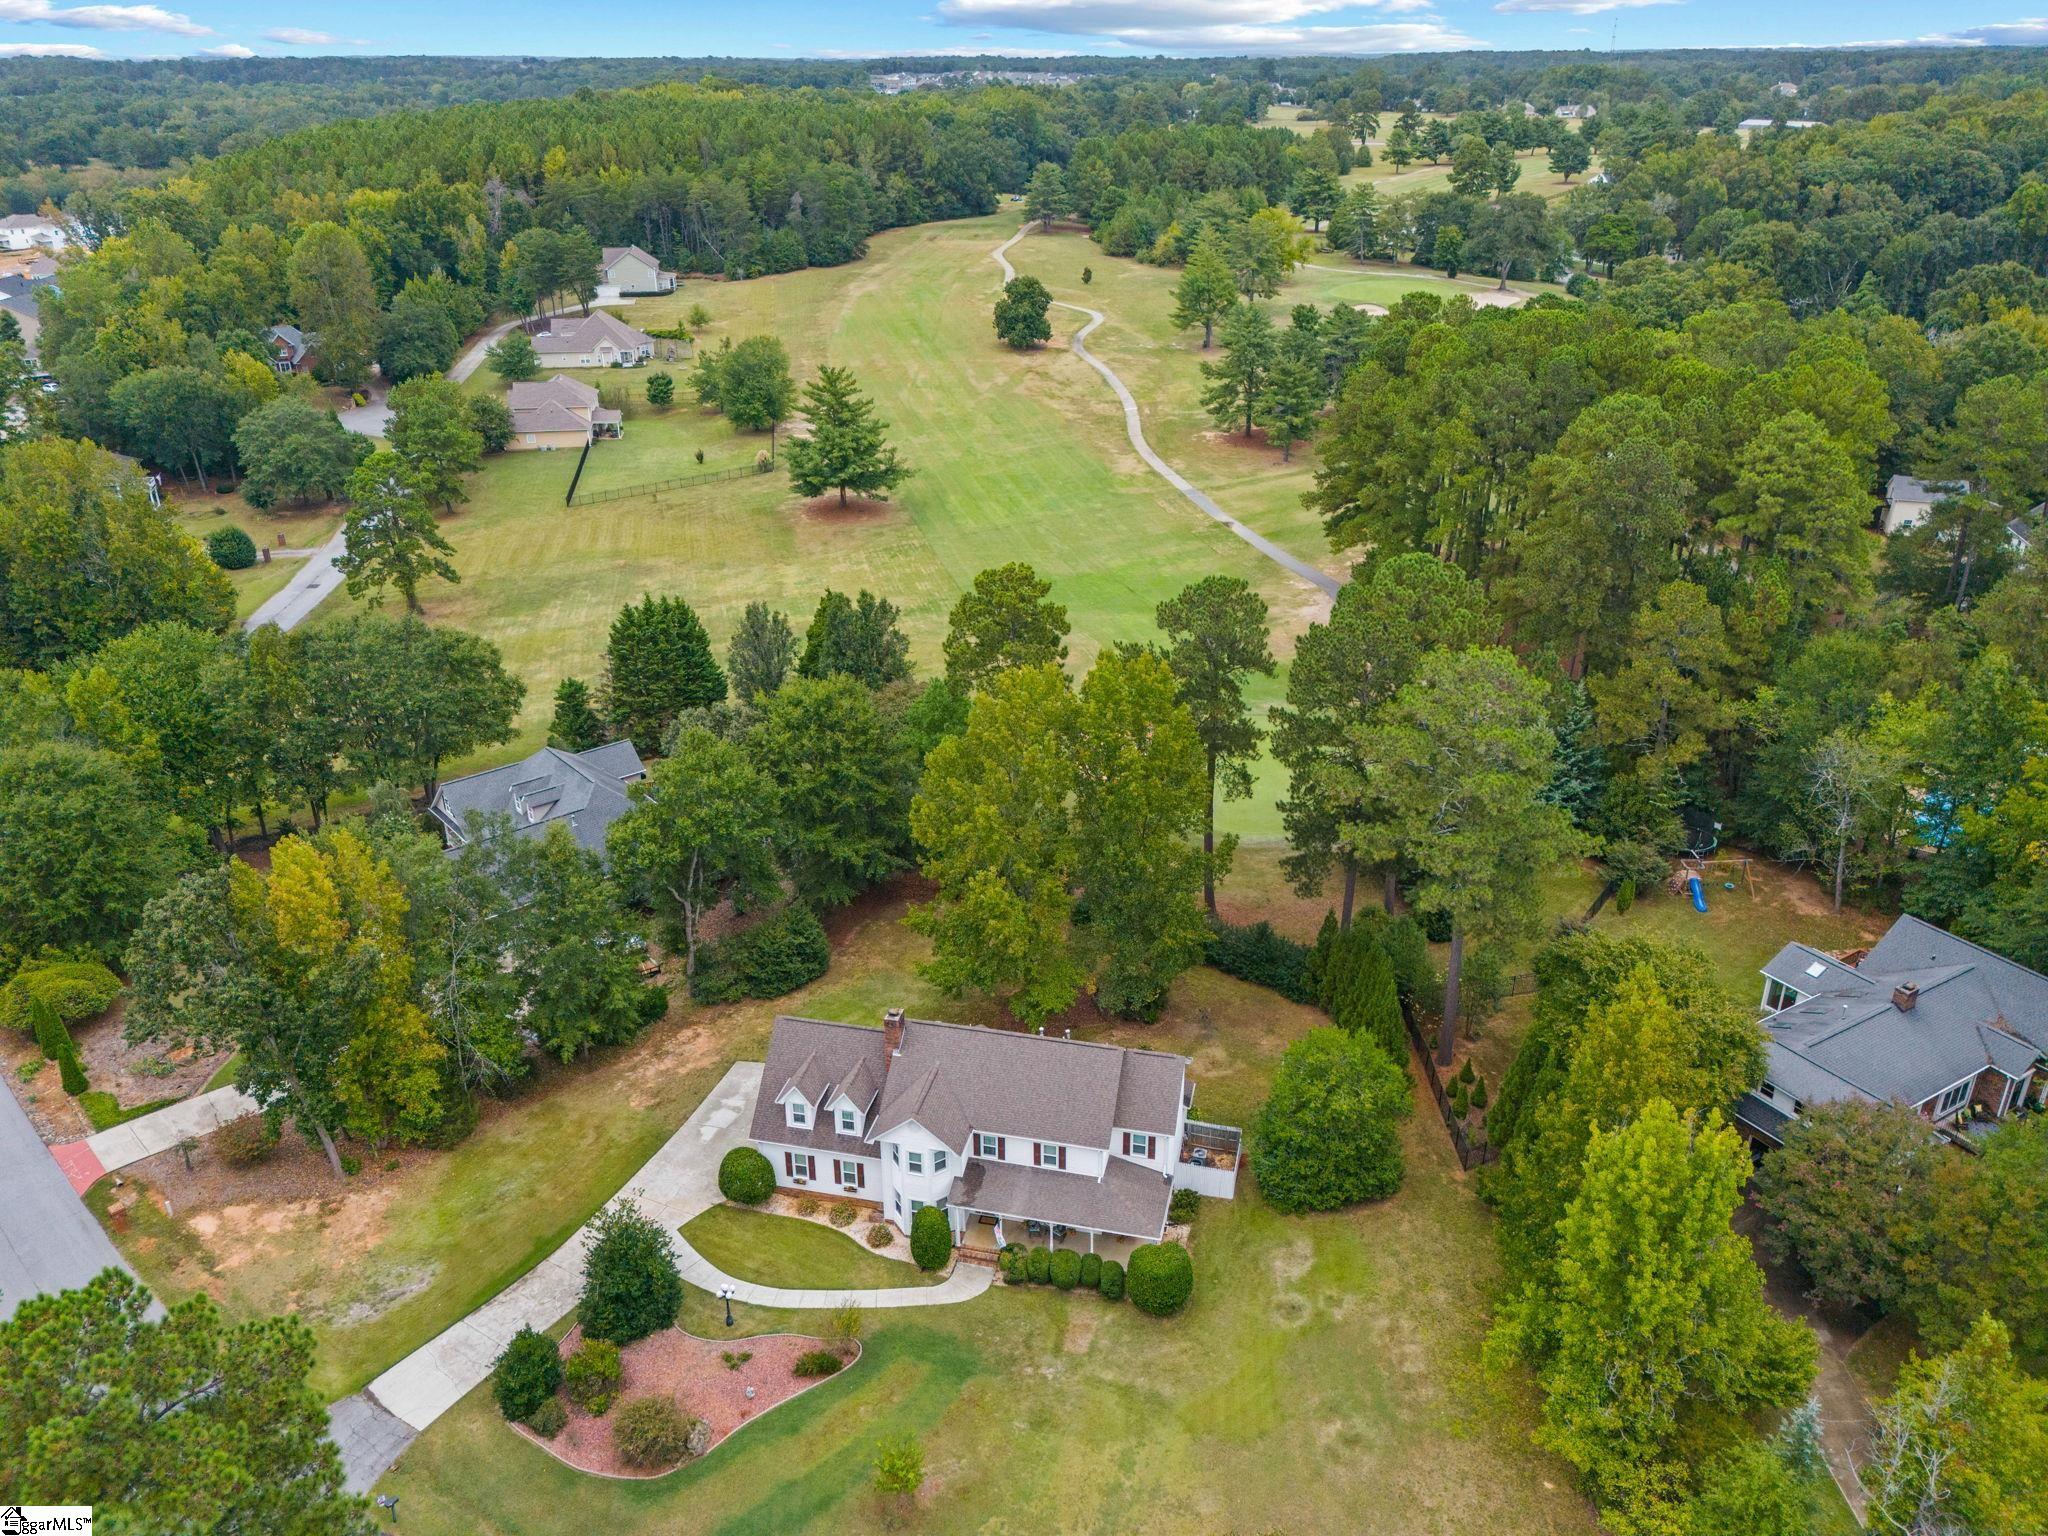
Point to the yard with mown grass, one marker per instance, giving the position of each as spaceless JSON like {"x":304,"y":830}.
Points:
{"x":796,"y":1254}
{"x":199,"y":514}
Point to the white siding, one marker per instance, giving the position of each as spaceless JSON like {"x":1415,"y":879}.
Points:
{"x":824,"y":1183}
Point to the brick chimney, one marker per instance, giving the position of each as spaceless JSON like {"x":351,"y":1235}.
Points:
{"x":1904,"y":996}
{"x":892,"y":1032}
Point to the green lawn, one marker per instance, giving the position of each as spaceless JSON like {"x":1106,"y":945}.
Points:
{"x":200,"y":515}
{"x":799,"y":1255}
{"x":1325,"y":1377}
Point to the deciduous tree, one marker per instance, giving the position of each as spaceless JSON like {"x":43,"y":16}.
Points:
{"x":389,"y":535}
{"x":1207,"y":290}
{"x":761,"y":654}
{"x":842,"y":786}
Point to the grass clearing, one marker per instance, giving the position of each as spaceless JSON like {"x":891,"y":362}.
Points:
{"x":800,"y":1255}
{"x":199,"y":515}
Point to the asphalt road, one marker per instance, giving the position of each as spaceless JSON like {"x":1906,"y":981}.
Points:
{"x":49,"y":1241}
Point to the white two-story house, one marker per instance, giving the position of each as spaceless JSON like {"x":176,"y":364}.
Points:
{"x":1015,"y":1136}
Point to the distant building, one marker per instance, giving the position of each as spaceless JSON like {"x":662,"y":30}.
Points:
{"x":595,"y":340}
{"x":585,"y":791}
{"x":290,"y":348}
{"x":18,"y":298}
{"x":626,"y":270}
{"x":1752,"y":124}
{"x":1785,"y":88}
{"x":558,"y":413}
{"x":1907,"y":501}
{"x":1575,"y":111}
{"x":28,"y":231}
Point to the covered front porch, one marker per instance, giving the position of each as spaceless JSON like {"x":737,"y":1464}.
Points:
{"x":984,"y":1235}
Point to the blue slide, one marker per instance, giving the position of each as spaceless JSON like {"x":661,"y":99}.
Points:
{"x":1699,"y":894}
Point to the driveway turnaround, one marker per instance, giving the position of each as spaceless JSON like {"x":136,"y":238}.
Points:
{"x":49,"y":1241}
{"x":1293,"y":564}
{"x":965,"y":1283}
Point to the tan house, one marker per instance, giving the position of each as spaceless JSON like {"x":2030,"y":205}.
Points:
{"x":558,"y":413}
{"x":595,"y":340}
{"x":626,"y":270}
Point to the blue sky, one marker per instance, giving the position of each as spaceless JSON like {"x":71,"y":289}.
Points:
{"x":797,"y":28}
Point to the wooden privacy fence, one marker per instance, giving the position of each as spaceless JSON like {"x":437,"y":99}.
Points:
{"x":577,"y":498}
{"x":1471,"y":1154}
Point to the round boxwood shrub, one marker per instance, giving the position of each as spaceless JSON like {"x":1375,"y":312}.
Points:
{"x":231,"y":549}
{"x":931,"y":1238}
{"x":1011,"y":1262}
{"x":1091,"y":1271}
{"x":843,"y":1214}
{"x":1066,"y":1268}
{"x":745,"y":1176}
{"x":879,"y":1235}
{"x":526,"y":1374}
{"x":591,"y":1376}
{"x":1038,"y":1266}
{"x":651,"y":1432}
{"x":1112,"y":1280}
{"x":1162,"y":1278}
{"x":548,"y":1419}
{"x":630,"y":1284}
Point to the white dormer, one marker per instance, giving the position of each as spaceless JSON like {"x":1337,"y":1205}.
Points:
{"x":797,"y":1110}
{"x":847,"y":1118}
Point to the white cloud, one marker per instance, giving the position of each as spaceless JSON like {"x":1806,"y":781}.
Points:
{"x":305,"y":37}
{"x":1578,"y":7}
{"x":1233,"y":26}
{"x":230,"y":51}
{"x":102,"y":18}
{"x":49,"y":51}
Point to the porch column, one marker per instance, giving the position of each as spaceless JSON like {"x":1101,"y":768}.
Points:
{"x":1091,"y":1241}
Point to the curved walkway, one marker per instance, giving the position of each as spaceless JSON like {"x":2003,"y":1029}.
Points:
{"x":1135,"y":430}
{"x":965,"y":1283}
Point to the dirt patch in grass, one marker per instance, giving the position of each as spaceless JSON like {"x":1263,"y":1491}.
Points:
{"x":1081,"y":1325}
{"x":693,"y":1373}
{"x":828,"y":509}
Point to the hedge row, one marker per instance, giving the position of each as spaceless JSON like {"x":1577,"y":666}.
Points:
{"x":1261,"y":956}
{"x":1062,"y":1268}
{"x":783,"y":951}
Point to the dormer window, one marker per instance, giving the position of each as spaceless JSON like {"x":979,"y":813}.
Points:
{"x":799,"y":1113}
{"x":849,"y":1123}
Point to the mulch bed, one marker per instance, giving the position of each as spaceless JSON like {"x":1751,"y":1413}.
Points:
{"x":690,"y":1370}
{"x":134,"y":1074}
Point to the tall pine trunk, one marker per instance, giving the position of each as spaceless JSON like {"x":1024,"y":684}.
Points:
{"x":1209,"y":842}
{"x":1447,"y":1035}
{"x":1390,"y":889}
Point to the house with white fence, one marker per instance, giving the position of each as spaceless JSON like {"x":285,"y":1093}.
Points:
{"x":1017,"y":1137}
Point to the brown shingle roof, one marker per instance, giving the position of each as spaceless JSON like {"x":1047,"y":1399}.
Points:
{"x":560,"y":390}
{"x":817,"y":1056}
{"x":573,"y":333}
{"x":1129,"y":1198}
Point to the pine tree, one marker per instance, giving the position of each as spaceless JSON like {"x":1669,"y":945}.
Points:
{"x":761,"y":652}
{"x":1293,"y":403}
{"x":575,"y":726}
{"x":1238,"y":380}
{"x":1207,"y":290}
{"x":846,"y":447}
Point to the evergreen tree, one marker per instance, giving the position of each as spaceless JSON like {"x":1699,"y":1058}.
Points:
{"x":658,"y":663}
{"x":846,"y":448}
{"x":857,"y":637}
{"x":1207,"y":290}
{"x":1005,"y":619}
{"x":1237,"y":382}
{"x":842,"y":786}
{"x":761,"y":653}
{"x":1292,"y":405}
{"x":575,"y":726}
{"x":1046,"y":198}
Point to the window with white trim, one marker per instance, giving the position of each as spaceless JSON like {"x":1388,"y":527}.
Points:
{"x":916,"y":1162}
{"x":1138,"y":1144}
{"x":939,"y":1161}
{"x":847,"y":1170}
{"x":799,"y":1112}
{"x":849,"y":1122}
{"x":800,"y":1165}
{"x":1953,"y":1100}
{"x":1049,"y":1154}
{"x":986,"y":1145}
{"x":895,"y":1153}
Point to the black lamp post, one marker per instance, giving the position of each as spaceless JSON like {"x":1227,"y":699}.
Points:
{"x":725,"y":1295}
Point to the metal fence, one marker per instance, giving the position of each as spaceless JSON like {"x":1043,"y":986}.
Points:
{"x":577,"y":498}
{"x":1471,"y":1153}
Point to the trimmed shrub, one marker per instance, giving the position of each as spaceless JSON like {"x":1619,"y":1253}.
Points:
{"x":591,"y":1375}
{"x":1256,"y":953}
{"x":1328,"y":1134}
{"x":1091,"y":1271}
{"x":549,"y":1419}
{"x":52,"y":1038}
{"x":1066,"y":1268}
{"x":1112,"y":1286}
{"x":526,"y":1374}
{"x":1479,"y":1094}
{"x":1161,"y":1278}
{"x":74,"y":989}
{"x":809,"y":1205}
{"x":783,"y":951}
{"x":630,"y":1284}
{"x":1415,"y":978}
{"x":1011,"y":1262}
{"x":661,"y":389}
{"x":1319,"y":956}
{"x":746,"y":1176}
{"x":1466,"y":1073}
{"x":843,"y":1215}
{"x":1183,"y":1206}
{"x":817,"y":1362}
{"x":1038,"y":1266}
{"x":246,"y":1142}
{"x":651,"y":1432}
{"x":879,"y":1235}
{"x":931,"y":1238}
{"x":231,"y":549}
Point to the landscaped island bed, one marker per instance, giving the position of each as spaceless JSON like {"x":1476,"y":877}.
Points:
{"x":695,"y":1374}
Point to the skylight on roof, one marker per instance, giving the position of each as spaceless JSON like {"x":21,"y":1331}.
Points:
{"x":1818,"y":968}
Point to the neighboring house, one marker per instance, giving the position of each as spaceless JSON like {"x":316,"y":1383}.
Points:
{"x":2024,"y":535}
{"x":290,"y":348}
{"x":1907,"y":501}
{"x":558,"y":413}
{"x":1008,"y":1133}
{"x":1785,"y":88}
{"x":28,"y":231}
{"x":625,"y":270}
{"x":584,"y":790}
{"x":1924,"y":1019}
{"x":18,"y":298}
{"x":1752,"y":124}
{"x":1575,"y":111}
{"x":595,"y":340}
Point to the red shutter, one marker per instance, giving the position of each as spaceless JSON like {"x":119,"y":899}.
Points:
{"x":1127,"y":1143}
{"x":1061,"y":1153}
{"x":1002,"y":1148}
{"x":860,"y":1175}
{"x":789,"y":1164}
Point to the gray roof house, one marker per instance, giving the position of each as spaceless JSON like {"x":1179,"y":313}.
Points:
{"x":1009,"y":1133}
{"x":584,"y":790}
{"x":558,"y":412}
{"x":624,"y":270}
{"x":290,"y":347}
{"x":1925,"y":1018}
{"x":1908,"y":500}
{"x":595,"y":340}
